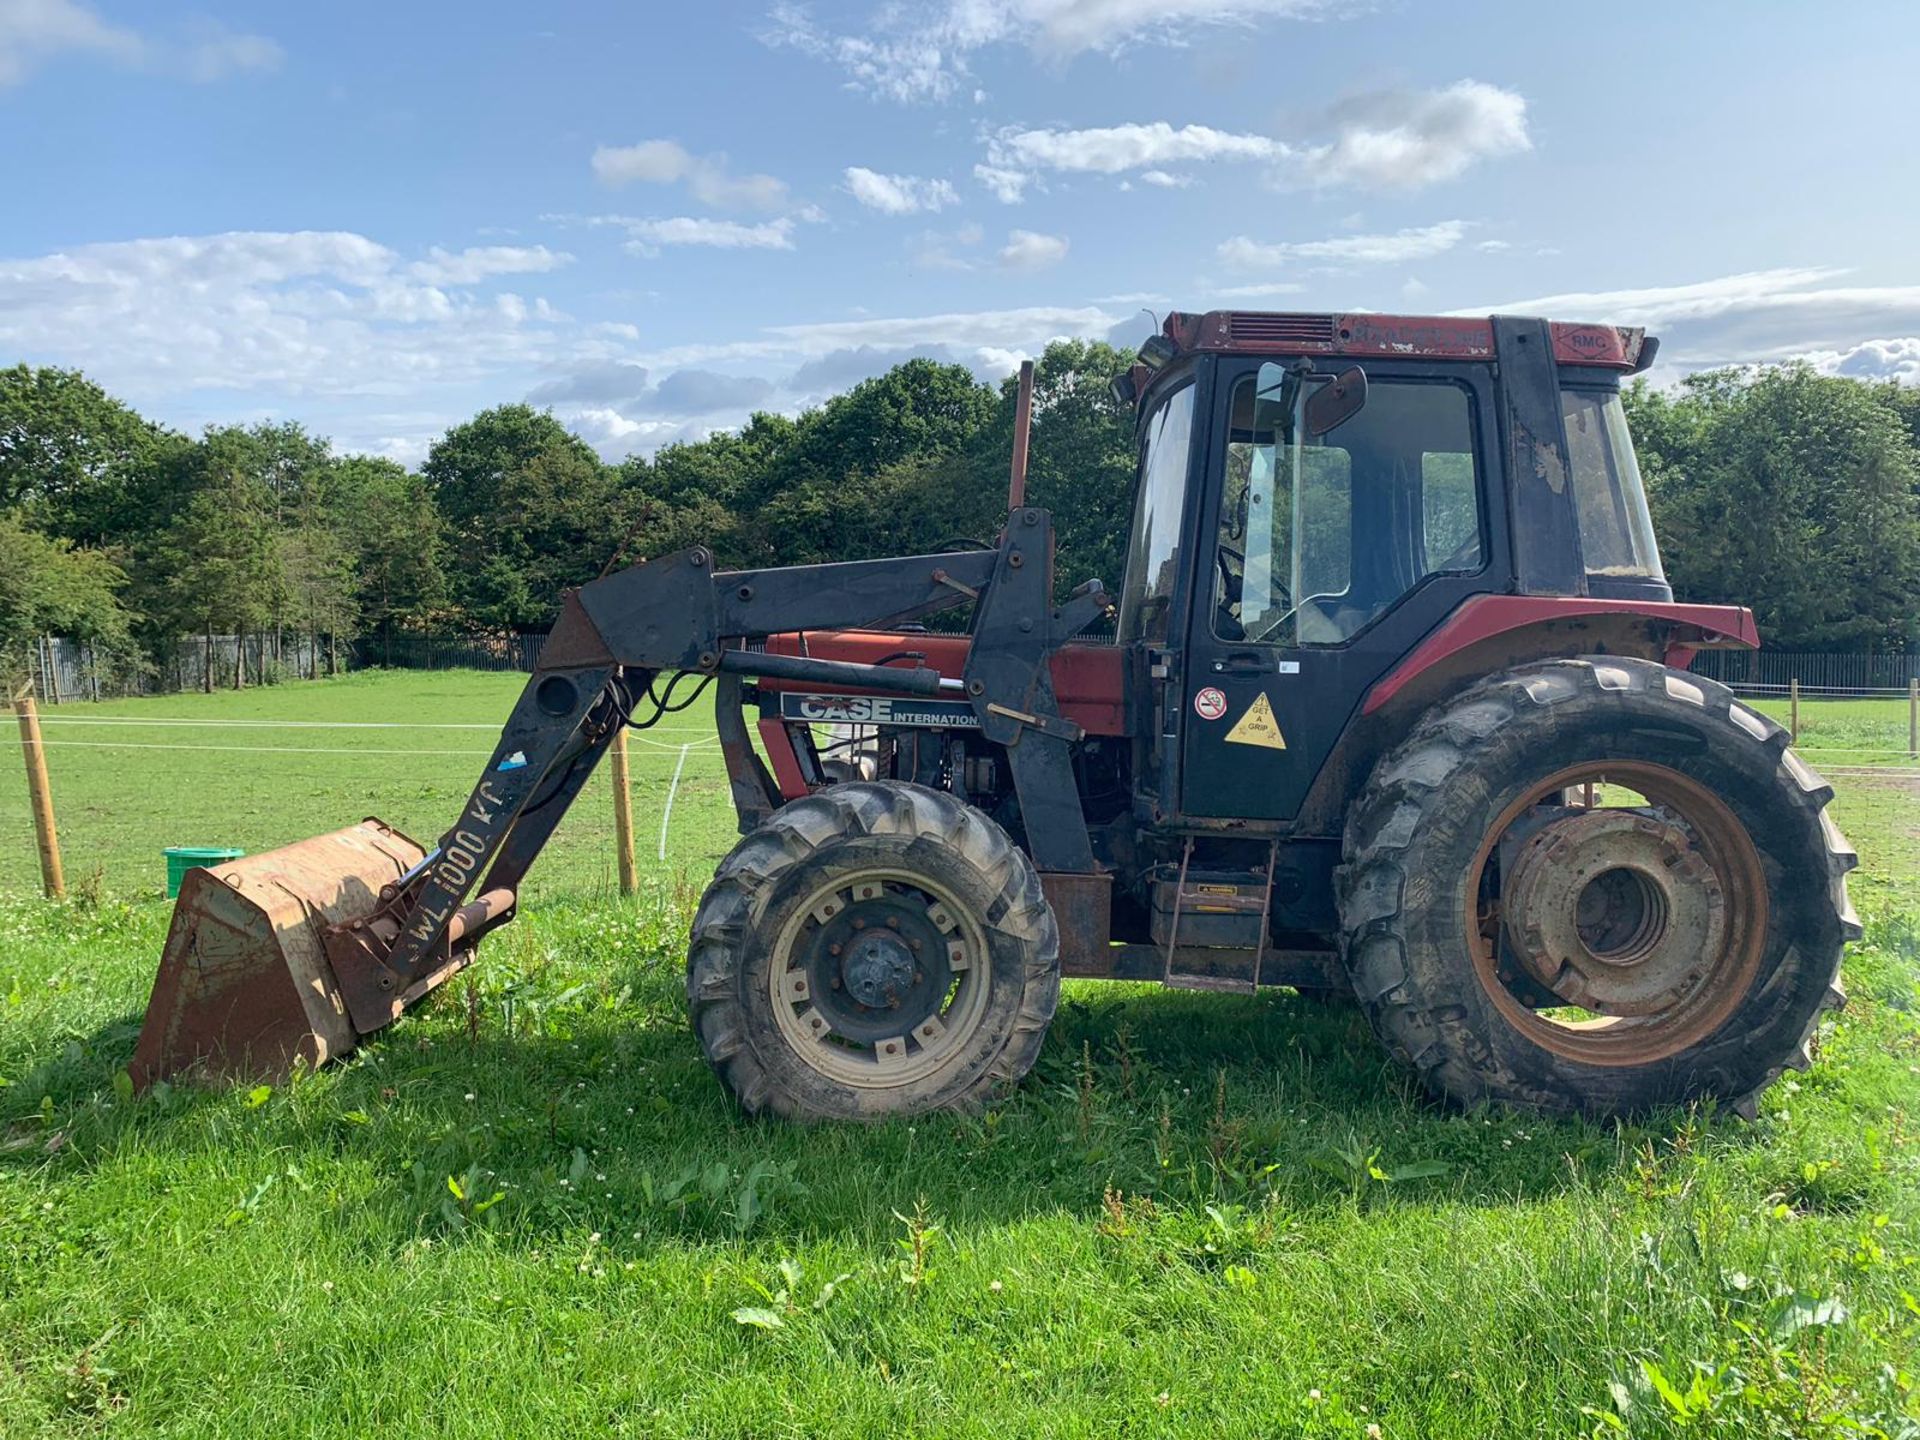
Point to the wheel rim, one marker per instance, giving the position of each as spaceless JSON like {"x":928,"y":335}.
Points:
{"x":1616,"y":933}
{"x":879,"y":978}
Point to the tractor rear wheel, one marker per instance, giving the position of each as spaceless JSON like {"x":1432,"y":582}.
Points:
{"x":1599,"y":886}
{"x":874,"y":949}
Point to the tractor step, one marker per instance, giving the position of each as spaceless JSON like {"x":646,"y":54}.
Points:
{"x":1215,"y":908}
{"x":1235,"y":902}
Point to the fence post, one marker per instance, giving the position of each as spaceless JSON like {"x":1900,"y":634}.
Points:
{"x":1793,"y":711}
{"x":41,"y":794}
{"x":623,"y":814}
{"x":1913,"y":719}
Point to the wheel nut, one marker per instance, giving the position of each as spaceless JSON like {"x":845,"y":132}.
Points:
{"x":893,"y":922}
{"x":913,"y":944}
{"x":834,"y":949}
{"x":859,"y":924}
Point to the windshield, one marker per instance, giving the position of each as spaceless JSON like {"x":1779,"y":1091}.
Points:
{"x":1616,"y":532}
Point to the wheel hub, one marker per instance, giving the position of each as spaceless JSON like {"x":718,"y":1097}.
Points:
{"x":878,"y":969}
{"x":875,"y":969}
{"x":1615,"y":911}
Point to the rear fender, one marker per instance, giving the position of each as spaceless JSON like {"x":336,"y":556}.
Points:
{"x":1491,"y":633}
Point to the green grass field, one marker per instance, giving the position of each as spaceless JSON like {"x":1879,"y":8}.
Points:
{"x":529,"y":1209}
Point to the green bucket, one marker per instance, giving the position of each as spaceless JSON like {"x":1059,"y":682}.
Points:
{"x":182,"y":858}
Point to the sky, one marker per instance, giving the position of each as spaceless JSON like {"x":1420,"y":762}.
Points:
{"x":657,"y":218}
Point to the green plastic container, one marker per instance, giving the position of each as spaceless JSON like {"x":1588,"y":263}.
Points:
{"x":182,"y":858}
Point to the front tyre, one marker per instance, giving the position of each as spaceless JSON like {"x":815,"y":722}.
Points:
{"x":874,"y":949}
{"x":1599,"y":886}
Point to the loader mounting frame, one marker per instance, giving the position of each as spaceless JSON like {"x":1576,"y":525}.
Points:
{"x":617,"y":634}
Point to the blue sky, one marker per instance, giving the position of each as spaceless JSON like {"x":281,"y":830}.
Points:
{"x":656,"y":218}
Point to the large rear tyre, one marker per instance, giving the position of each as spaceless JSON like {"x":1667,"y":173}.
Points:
{"x":1595,"y":886}
{"x":875,"y":949}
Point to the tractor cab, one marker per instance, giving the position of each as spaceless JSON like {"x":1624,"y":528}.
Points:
{"x":1318,"y":494}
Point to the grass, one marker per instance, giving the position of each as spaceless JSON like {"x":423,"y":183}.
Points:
{"x":530,"y":1209}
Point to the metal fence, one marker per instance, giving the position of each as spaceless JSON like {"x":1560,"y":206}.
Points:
{"x":69,"y":670}
{"x":1773,"y":672}
{"x":64,"y":670}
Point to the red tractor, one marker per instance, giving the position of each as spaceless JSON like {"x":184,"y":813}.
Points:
{"x":1396,"y":705}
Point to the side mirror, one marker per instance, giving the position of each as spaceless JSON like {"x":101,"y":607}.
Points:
{"x":1331,"y":405}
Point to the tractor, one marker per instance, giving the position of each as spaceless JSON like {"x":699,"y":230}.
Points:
{"x":1393,"y":703}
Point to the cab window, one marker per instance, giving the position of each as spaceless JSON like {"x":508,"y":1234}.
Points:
{"x":1320,"y":534}
{"x":1146,"y":595}
{"x":1616,"y":532}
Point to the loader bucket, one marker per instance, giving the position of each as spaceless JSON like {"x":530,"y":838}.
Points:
{"x":245,"y":987}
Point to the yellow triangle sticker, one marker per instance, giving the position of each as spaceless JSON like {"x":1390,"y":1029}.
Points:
{"x":1258,"y":727}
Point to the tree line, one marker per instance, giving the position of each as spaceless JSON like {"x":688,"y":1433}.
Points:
{"x":1792,"y":492}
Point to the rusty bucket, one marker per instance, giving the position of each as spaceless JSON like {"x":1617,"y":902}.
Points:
{"x":245,"y":987}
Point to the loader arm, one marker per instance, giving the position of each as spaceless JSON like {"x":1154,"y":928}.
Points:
{"x":597,"y":671}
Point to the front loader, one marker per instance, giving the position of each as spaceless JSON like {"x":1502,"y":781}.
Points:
{"x":1396,"y":705}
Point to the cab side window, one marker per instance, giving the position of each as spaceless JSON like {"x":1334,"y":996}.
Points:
{"x":1320,"y":534}
{"x":1146,"y":594}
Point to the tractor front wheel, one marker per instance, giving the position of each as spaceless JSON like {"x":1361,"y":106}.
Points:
{"x":1599,"y":886}
{"x":874,"y":949}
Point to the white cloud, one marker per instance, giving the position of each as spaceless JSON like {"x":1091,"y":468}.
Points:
{"x":1390,"y":140}
{"x":707,"y":178}
{"x":935,"y":250}
{"x":1401,"y":246}
{"x":658,"y":162}
{"x":1029,"y":250}
{"x":313,"y":325}
{"x":477,"y":262}
{"x":213,"y":52}
{"x":1024,"y":329}
{"x":646,"y":237}
{"x":36,"y":32}
{"x":1406,"y":139}
{"x":1892,"y":359}
{"x":898,"y":194}
{"x":383,"y":350}
{"x":1255,"y":292}
{"x":1114,"y":148}
{"x":1755,"y":316}
{"x":1009,"y":187}
{"x":1165,"y":180}
{"x":922,"y":50}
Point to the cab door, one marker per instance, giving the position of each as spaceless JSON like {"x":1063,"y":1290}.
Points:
{"x":1331,"y":555}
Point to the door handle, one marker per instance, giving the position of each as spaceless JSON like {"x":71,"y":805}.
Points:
{"x":1243,"y":662}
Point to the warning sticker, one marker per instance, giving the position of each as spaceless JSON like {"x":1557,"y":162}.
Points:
{"x":1210,"y":704}
{"x":1258,"y":727}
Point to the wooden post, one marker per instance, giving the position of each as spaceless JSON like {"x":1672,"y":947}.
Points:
{"x":623,"y":814}
{"x":1793,"y":711}
{"x":1913,"y":719}
{"x":41,"y":794}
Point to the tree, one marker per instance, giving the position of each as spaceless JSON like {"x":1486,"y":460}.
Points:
{"x":393,"y":535}
{"x":529,"y":510}
{"x":74,"y":461}
{"x":1081,"y":462}
{"x":49,"y":587}
{"x":217,"y":567}
{"x":1791,"y":492}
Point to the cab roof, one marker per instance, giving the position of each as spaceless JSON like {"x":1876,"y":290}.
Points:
{"x":1438,"y":337}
